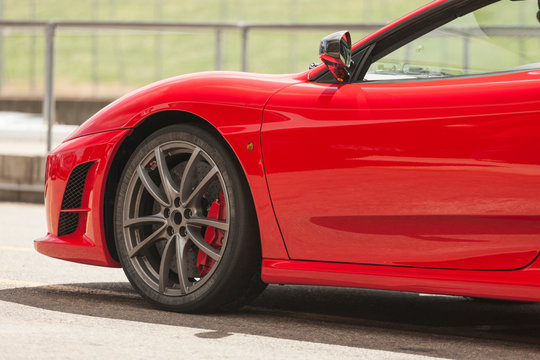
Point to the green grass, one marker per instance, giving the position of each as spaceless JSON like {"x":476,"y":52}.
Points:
{"x":110,"y":62}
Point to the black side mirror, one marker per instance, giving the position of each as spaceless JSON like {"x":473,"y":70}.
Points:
{"x":538,"y":13}
{"x":335,"y":53}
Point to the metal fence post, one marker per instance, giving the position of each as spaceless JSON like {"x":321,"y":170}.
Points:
{"x":95,"y":49}
{"x":158,"y":42}
{"x":467,"y":54}
{"x":33,"y":34}
{"x":48,"y":94}
{"x":245,"y":30}
{"x":522,"y":42}
{"x":219,"y":49}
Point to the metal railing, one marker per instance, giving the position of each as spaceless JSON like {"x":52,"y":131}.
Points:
{"x":50,"y":27}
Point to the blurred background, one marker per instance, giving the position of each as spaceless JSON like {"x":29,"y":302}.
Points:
{"x":106,"y":63}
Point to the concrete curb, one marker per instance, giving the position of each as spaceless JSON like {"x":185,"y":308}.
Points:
{"x":22,"y":178}
{"x":72,"y":111}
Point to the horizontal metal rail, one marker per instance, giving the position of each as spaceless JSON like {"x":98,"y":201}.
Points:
{"x":145,"y":25}
{"x":510,"y":31}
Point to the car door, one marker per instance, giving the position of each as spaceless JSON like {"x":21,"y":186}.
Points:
{"x":437,"y":172}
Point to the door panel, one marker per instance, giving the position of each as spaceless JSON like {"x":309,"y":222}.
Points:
{"x":437,"y":173}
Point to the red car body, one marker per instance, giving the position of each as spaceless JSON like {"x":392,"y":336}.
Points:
{"x":426,"y":186}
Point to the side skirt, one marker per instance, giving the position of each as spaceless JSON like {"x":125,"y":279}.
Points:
{"x":521,"y":284}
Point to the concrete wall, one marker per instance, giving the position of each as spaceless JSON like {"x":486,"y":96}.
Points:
{"x":21,"y":178}
{"x":68,"y":111}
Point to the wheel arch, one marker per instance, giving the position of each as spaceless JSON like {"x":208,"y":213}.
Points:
{"x":146,"y":127}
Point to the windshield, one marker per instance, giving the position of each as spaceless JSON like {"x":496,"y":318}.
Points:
{"x":504,"y":36}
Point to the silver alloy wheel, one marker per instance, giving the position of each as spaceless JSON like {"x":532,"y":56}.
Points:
{"x":165,"y":217}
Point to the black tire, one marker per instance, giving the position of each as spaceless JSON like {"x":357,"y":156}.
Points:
{"x":203,"y":216}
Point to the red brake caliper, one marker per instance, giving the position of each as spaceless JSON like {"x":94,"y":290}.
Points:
{"x":212,"y":236}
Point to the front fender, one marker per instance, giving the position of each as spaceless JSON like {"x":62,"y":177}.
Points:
{"x":233,"y":104}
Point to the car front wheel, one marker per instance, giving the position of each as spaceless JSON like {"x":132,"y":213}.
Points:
{"x":185,"y":226}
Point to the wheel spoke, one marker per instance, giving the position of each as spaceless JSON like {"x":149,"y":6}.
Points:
{"x":202,"y":185}
{"x":168,"y":184}
{"x":150,"y":239}
{"x":203,"y":245}
{"x":150,"y":186}
{"x":183,"y":280}
{"x":187,"y":170}
{"x":164,"y":266}
{"x":222,"y":225}
{"x":152,"y":219}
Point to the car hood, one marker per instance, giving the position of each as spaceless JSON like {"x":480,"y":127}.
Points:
{"x":216,"y":87}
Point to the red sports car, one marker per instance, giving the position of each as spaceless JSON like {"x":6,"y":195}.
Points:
{"x":409,"y":161}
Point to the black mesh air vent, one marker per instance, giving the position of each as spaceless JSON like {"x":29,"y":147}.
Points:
{"x":68,"y":223}
{"x":75,"y":186}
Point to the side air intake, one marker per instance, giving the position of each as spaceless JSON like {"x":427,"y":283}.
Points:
{"x":75,"y":186}
{"x":68,"y":223}
{"x":69,"y":220}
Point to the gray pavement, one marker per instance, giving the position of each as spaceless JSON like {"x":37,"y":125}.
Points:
{"x":56,"y":309}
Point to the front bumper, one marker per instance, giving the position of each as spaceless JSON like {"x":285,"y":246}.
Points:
{"x":79,"y":199}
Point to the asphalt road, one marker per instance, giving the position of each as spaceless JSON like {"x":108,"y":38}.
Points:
{"x":56,"y":309}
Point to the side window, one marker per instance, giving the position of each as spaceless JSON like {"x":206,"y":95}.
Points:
{"x":496,"y":38}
